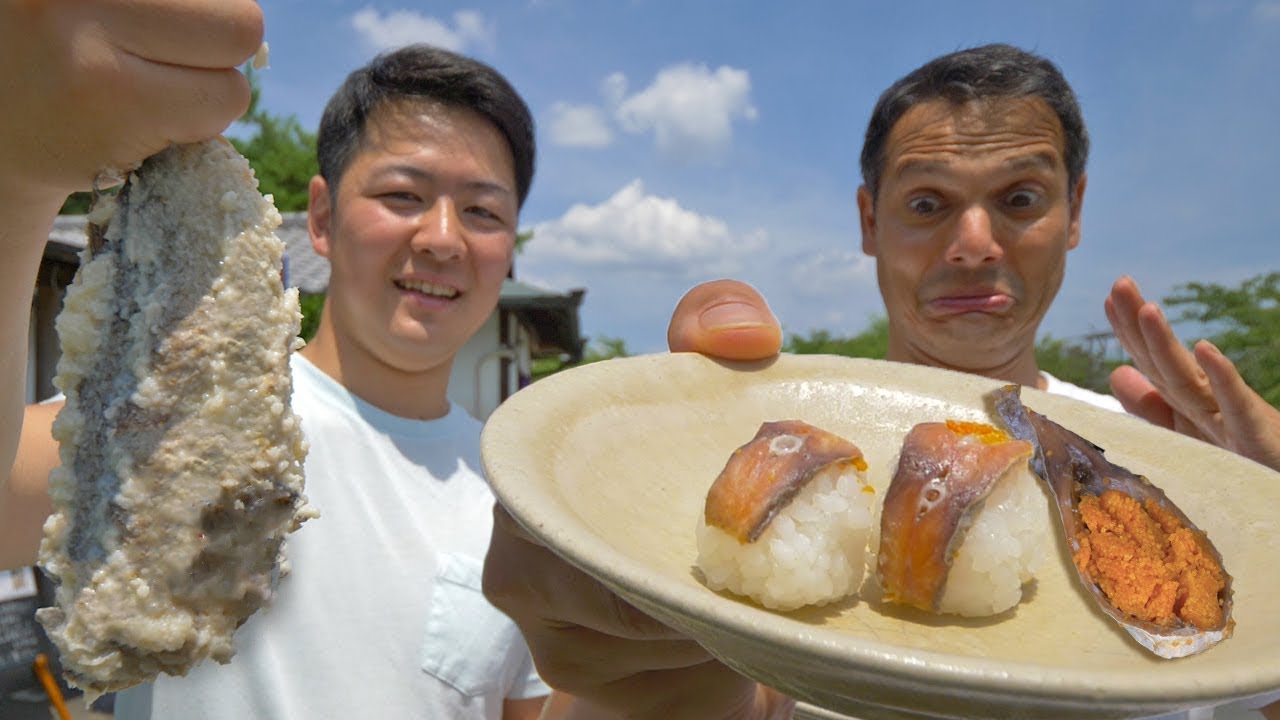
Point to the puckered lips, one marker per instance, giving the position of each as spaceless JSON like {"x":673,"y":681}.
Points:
{"x":986,"y":300}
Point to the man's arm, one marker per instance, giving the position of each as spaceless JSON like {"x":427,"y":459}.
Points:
{"x":526,"y":709}
{"x":1196,"y":392}
{"x":605,"y":658}
{"x":24,"y":499}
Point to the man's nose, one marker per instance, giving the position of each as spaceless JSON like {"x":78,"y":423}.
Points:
{"x":975,"y":240}
{"x":439,"y":231}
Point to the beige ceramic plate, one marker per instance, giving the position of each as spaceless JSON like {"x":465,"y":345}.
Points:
{"x":609,"y":465}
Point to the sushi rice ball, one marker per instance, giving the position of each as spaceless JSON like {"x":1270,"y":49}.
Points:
{"x":786,"y":523}
{"x":965,"y":523}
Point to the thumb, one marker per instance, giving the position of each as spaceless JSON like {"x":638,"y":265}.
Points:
{"x":726,"y":319}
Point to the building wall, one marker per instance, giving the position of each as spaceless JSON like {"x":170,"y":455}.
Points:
{"x":42,"y":342}
{"x":490,"y":367}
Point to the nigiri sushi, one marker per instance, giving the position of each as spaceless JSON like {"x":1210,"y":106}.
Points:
{"x":964,"y":524}
{"x":786,"y":522}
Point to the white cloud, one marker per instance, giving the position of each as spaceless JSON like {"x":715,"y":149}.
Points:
{"x":689,"y":108}
{"x":403,"y":27}
{"x":1267,"y":10}
{"x":579,"y":126}
{"x":829,"y":272}
{"x":614,"y":89}
{"x":643,"y":231}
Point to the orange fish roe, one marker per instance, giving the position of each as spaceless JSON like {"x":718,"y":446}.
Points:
{"x":989,"y":434}
{"x":1147,"y":563}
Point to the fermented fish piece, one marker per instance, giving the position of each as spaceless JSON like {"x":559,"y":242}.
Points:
{"x":963,"y":526}
{"x":787,"y":520}
{"x":181,"y":459}
{"x":1137,"y":554}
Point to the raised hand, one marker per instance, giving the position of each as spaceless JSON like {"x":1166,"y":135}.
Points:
{"x":92,"y":86}
{"x":1197,"y":392}
{"x":95,"y":84}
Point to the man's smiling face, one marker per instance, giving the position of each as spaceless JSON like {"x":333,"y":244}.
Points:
{"x":420,"y":235}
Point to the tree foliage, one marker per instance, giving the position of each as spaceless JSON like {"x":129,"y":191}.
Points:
{"x":311,"y":305}
{"x":522,"y":239}
{"x":281,"y":152}
{"x":870,"y":343}
{"x":1247,"y":323}
{"x":605,"y":348}
{"x":77,"y":204}
{"x":601,"y":348}
{"x":1086,"y":365}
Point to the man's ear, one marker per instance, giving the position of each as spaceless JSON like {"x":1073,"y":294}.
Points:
{"x":319,"y":215}
{"x":1077,"y":206}
{"x":867,"y":219}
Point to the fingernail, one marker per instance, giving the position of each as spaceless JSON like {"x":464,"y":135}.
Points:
{"x":731,"y":315}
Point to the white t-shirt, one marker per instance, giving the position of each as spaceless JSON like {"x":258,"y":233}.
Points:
{"x":1062,"y":387}
{"x":382,"y":613}
{"x":1239,"y":710}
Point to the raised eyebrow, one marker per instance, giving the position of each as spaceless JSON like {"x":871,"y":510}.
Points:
{"x":912,"y":167}
{"x":1035,"y":161}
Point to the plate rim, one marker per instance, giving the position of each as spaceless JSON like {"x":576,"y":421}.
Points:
{"x":561,"y":530}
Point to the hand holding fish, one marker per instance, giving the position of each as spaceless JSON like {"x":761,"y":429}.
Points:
{"x":114,"y":81}
{"x":587,"y":641}
{"x":1197,"y":392}
{"x":94,"y":85}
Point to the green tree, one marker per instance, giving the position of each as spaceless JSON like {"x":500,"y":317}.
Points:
{"x":602,"y":348}
{"x":1076,"y":363}
{"x":1085,"y":365}
{"x":1247,"y":323}
{"x":281,"y":152}
{"x":605,"y":348}
{"x":522,"y":238}
{"x":311,"y":304}
{"x":870,"y":343}
{"x":77,"y":204}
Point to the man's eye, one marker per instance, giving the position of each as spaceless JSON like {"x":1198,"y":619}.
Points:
{"x":923,"y":205}
{"x":399,"y":196}
{"x":1023,"y":198}
{"x":486,"y":214}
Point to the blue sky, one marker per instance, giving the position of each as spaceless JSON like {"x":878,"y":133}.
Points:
{"x":685,"y":141}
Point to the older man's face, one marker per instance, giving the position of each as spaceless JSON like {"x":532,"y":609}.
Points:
{"x":970,"y":230}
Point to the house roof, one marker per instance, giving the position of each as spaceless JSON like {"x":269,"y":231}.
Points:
{"x":551,"y":316}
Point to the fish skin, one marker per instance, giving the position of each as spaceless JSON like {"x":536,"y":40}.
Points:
{"x":1072,"y":466}
{"x":181,"y":459}
{"x":759,"y":480}
{"x":918,"y":535}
